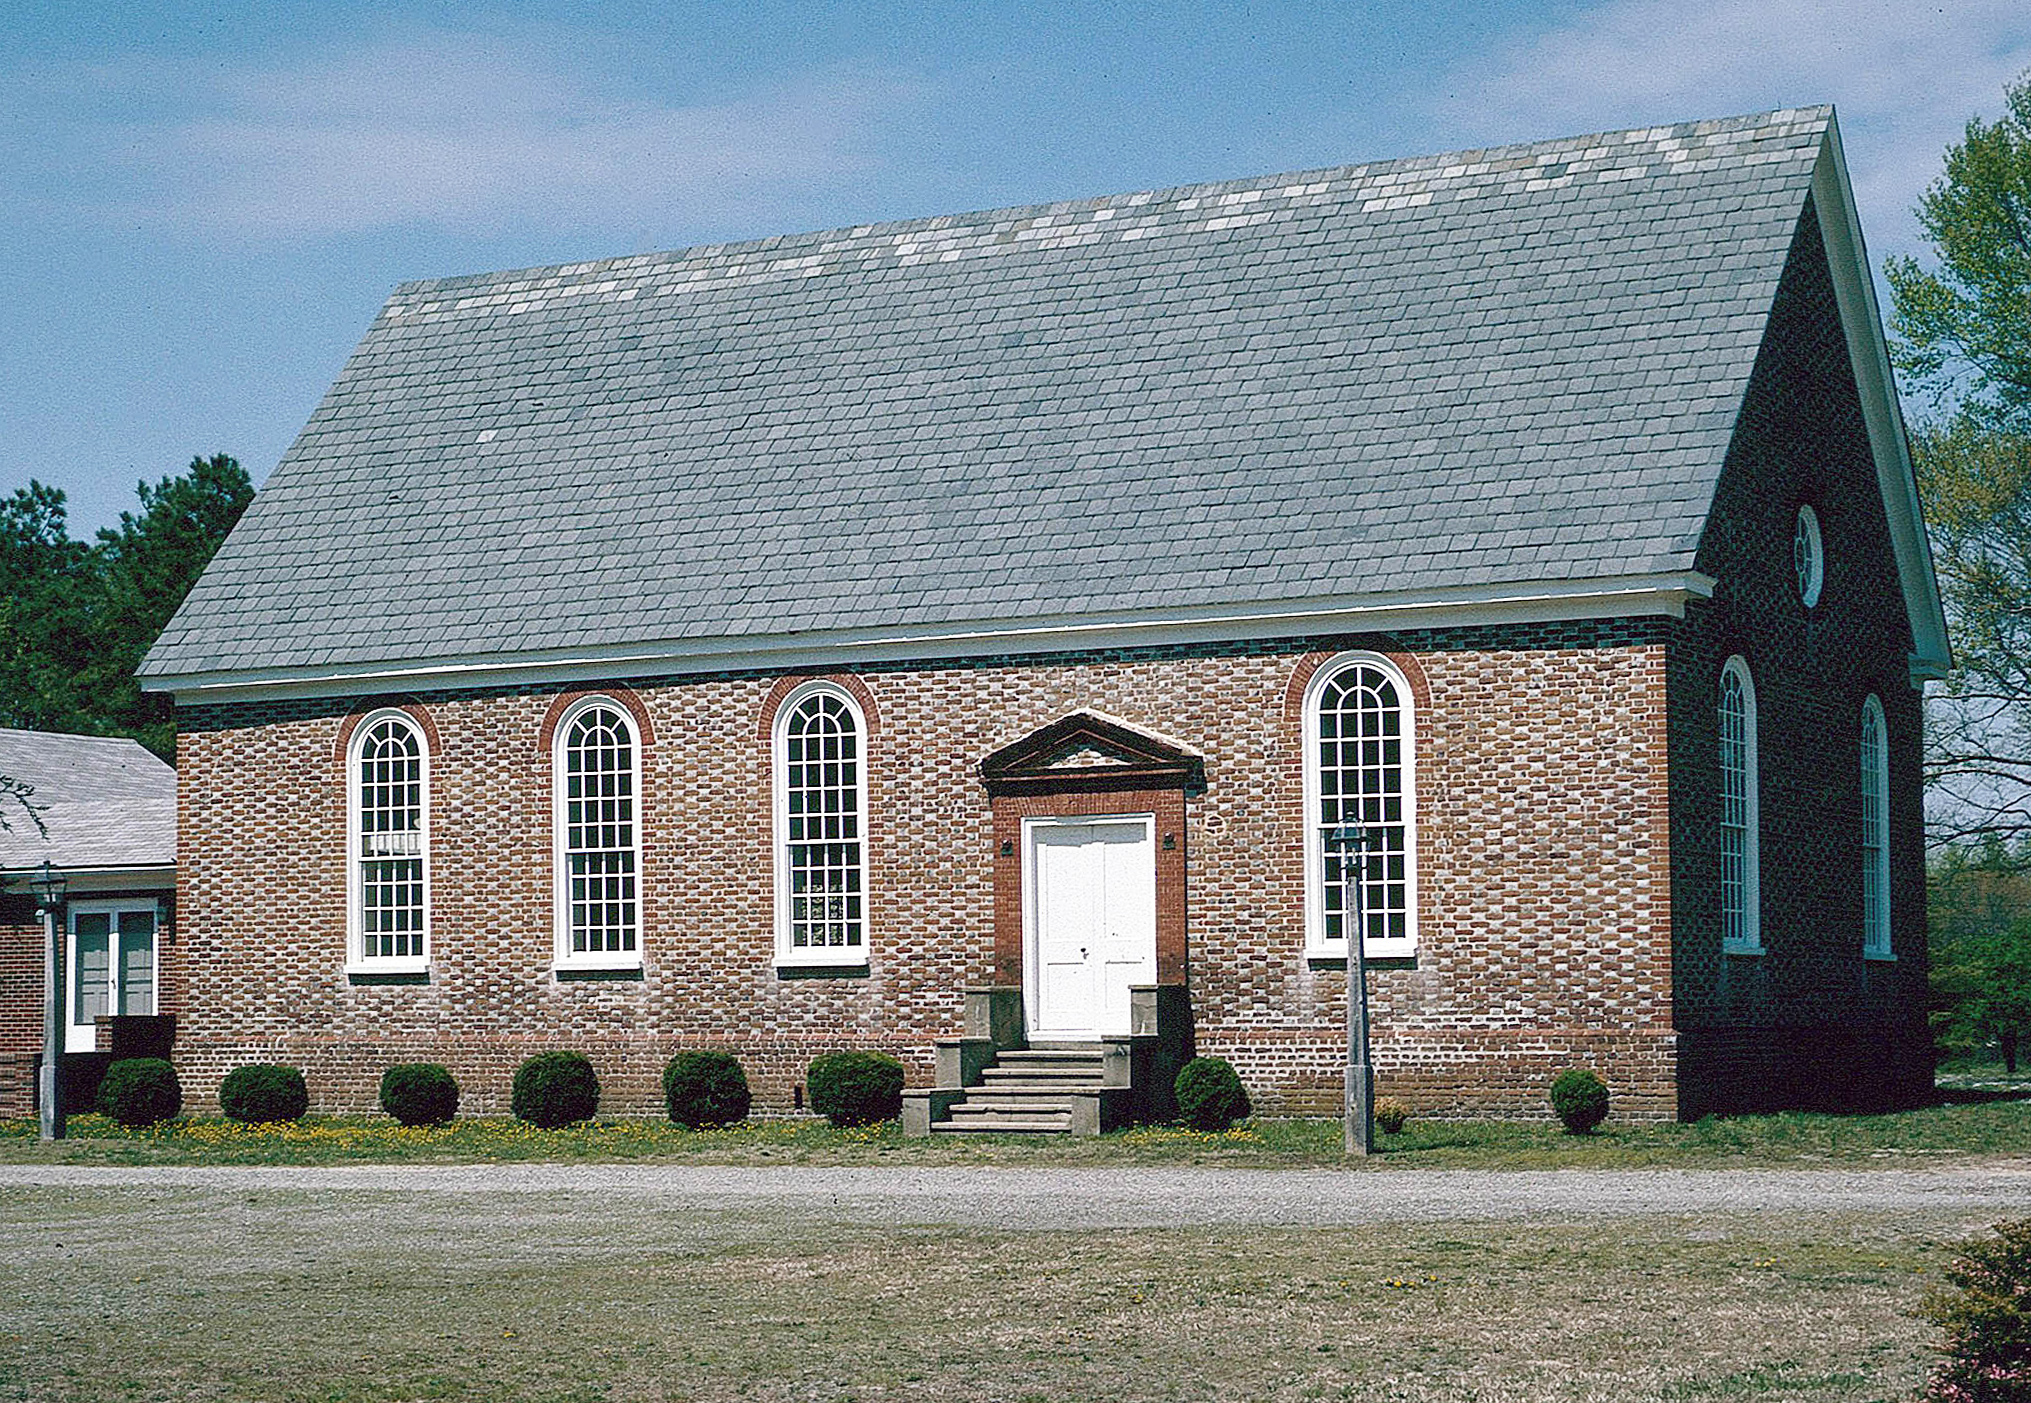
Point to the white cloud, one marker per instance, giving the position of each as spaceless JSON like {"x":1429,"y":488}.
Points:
{"x":1905,"y":79}
{"x":442,"y":132}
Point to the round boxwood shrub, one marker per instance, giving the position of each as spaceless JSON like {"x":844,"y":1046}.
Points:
{"x":1210,"y":1095}
{"x":855,"y":1088}
{"x":140,"y":1091}
{"x":263,"y":1091}
{"x":1580,"y":1099}
{"x":419,"y":1093}
{"x":1392,"y":1113}
{"x":704,"y":1088}
{"x":553,"y":1089}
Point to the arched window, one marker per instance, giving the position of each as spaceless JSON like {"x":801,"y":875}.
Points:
{"x":597,"y":764}
{"x":1875,"y":832}
{"x":821,"y":823}
{"x":388,"y":827}
{"x":1741,"y":925}
{"x":1359,"y":770}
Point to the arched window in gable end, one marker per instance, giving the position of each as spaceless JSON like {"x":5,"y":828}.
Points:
{"x":819,"y":764}
{"x":1875,"y":784}
{"x":597,"y":773}
{"x":1360,"y":774}
{"x":388,"y":845}
{"x":1741,"y":895}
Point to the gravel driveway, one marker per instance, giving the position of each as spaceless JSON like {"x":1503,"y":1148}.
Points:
{"x":1024,"y":1198}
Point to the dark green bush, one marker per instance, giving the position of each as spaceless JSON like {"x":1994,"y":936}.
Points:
{"x":1392,"y":1113}
{"x":1210,"y":1095}
{"x":855,"y":1088}
{"x":419,"y":1093}
{"x":705,"y":1088}
{"x":1987,"y":1319}
{"x":140,"y":1091}
{"x":1580,"y":1099}
{"x":263,"y":1091}
{"x":555,"y":1088}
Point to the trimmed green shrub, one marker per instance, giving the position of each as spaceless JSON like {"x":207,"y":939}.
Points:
{"x":553,"y":1089}
{"x":263,"y":1091}
{"x":1580,"y":1099}
{"x":1210,"y":1095}
{"x":855,"y":1088}
{"x":140,"y":1091}
{"x":1987,"y":1319}
{"x":1392,"y":1114}
{"x":419,"y":1093}
{"x":704,"y":1088}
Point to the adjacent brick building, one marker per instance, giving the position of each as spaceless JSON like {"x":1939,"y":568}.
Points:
{"x":100,"y":812}
{"x":762,"y":646}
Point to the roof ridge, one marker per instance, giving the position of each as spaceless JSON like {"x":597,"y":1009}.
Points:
{"x":944,"y":237}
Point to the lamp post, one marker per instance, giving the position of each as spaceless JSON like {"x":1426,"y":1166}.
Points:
{"x":1352,"y":842}
{"x":49,"y":887}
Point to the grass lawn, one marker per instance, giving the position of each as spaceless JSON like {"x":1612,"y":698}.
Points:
{"x":218,"y":1295}
{"x":1987,"y":1126}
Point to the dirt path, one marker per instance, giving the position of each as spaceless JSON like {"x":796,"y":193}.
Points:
{"x":1034,"y":1199}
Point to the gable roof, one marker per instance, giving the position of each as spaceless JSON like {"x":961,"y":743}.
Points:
{"x":1501,"y":378}
{"x":105,"y":803}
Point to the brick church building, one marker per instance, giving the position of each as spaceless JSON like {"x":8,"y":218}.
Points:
{"x":978,"y":635}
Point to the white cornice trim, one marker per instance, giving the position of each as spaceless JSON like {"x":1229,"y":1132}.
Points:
{"x":1622,"y":596}
{"x":1869,"y":354}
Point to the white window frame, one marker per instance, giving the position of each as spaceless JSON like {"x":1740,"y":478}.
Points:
{"x":826,"y":957}
{"x":1317,"y":946}
{"x":560,"y":857}
{"x":357,"y":960}
{"x":79,"y":1037}
{"x":1808,"y":556}
{"x":1750,"y":942}
{"x":1875,"y":768}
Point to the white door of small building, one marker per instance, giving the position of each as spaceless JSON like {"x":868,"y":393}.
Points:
{"x":1091,"y":909}
{"x":112,"y":966}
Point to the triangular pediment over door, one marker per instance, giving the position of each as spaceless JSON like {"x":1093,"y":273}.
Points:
{"x":1086,"y":751}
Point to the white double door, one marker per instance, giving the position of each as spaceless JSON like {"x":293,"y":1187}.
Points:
{"x":112,"y":966}
{"x":1090,"y":921}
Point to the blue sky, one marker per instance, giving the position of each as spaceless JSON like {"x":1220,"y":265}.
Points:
{"x":202,"y":207}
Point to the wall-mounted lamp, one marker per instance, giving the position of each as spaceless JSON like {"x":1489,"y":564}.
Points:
{"x":49,"y":887}
{"x":165,"y":924}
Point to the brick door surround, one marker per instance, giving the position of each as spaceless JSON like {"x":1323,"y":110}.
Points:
{"x":1088,"y":764}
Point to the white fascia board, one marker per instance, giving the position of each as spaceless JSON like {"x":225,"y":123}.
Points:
{"x":91,"y":881}
{"x":1623,"y":596}
{"x":1869,"y":354}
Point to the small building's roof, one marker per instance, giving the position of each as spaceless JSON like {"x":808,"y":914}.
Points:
{"x":1448,"y":373}
{"x":105,"y":804}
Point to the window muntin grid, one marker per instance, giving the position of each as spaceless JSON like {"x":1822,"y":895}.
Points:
{"x":1808,"y":560}
{"x":600,"y":849}
{"x":388,"y":841}
{"x":1875,"y":831}
{"x":1737,"y":726}
{"x":822,"y":854}
{"x":1360,"y":773}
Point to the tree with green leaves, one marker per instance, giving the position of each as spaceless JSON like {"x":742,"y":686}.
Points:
{"x":76,"y":619}
{"x":1962,"y":339}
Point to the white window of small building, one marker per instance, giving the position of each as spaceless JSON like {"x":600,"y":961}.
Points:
{"x":821,"y":827}
{"x":1359,"y":775}
{"x":389,"y":771}
{"x":596,"y":761}
{"x":1741,"y":926}
{"x":1808,"y":558}
{"x":1875,"y":832}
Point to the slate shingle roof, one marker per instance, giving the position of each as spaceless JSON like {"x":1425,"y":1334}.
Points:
{"x":106,"y":803}
{"x":1519,"y":364}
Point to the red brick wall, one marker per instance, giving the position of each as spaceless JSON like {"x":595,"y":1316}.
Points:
{"x":20,"y":1003}
{"x":1808,"y":1022}
{"x":1543,"y":892}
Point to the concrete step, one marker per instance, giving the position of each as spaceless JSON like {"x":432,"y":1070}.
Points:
{"x":1012,"y":1103}
{"x":1057,"y":1073}
{"x":1038,"y":1124}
